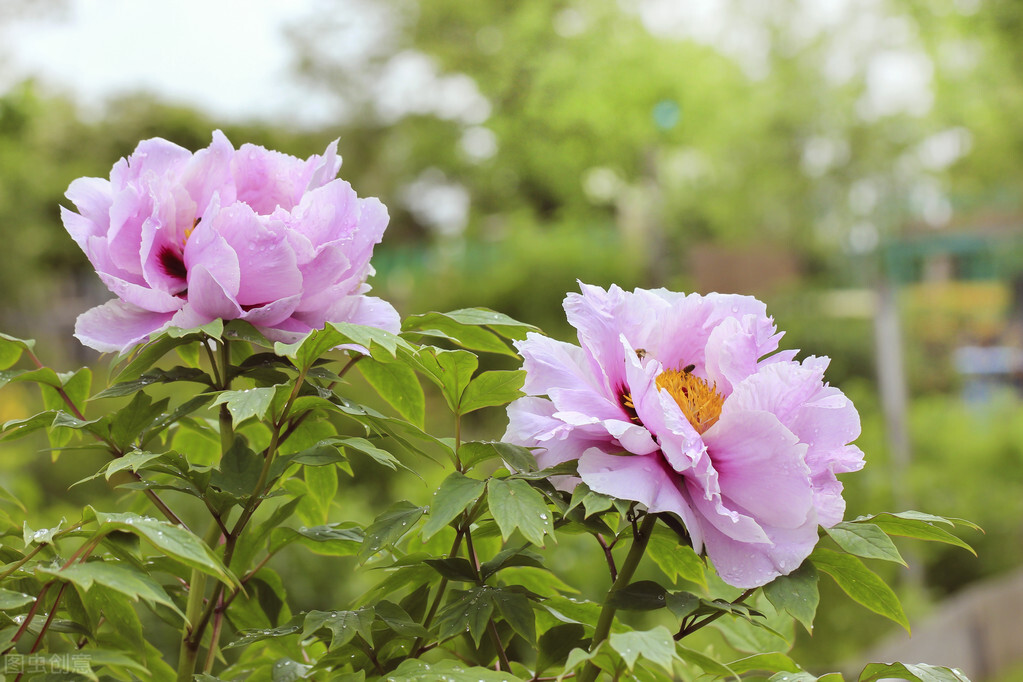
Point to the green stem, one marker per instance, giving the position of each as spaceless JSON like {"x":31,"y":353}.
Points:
{"x":226,"y":425}
{"x":625,"y":573}
{"x":189,"y":650}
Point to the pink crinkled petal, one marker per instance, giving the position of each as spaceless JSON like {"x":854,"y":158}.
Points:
{"x":267,"y":179}
{"x":208,"y":248}
{"x":369,"y":311}
{"x":761,"y":468}
{"x":116,"y":326}
{"x":749,"y":565}
{"x":596,"y":315}
{"x":208,"y":173}
{"x":551,"y":364}
{"x":141,"y":296}
{"x":324,"y":167}
{"x":272,"y":313}
{"x":208,"y":298}
{"x":731,"y":355}
{"x":93,"y":198}
{"x":642,"y":478}
{"x":267,"y":267}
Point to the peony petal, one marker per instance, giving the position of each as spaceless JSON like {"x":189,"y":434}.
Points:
{"x":208,"y":173}
{"x":731,"y":355}
{"x":267,"y":267}
{"x":208,"y":297}
{"x":748,"y":565}
{"x":93,"y":198}
{"x":761,"y":468}
{"x":208,"y":248}
{"x":267,"y":179}
{"x":324,"y":168}
{"x":643,"y":478}
{"x":551,"y":364}
{"x":597,"y":315}
{"x":117,"y":326}
{"x":272,"y":313}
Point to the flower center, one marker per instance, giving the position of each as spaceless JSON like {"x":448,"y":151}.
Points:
{"x":699,"y":401}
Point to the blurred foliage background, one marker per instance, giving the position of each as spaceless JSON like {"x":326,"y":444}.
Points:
{"x":807,"y":153}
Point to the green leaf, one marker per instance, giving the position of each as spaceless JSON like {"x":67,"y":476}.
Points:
{"x":388,"y":528}
{"x":417,"y":670}
{"x":764,"y":662}
{"x":251,"y":402}
{"x":118,"y":577}
{"x":709,"y":665}
{"x":802,"y":676}
{"x":43,"y":536}
{"x":454,"y":495}
{"x":133,"y":461}
{"x":10,"y":599}
{"x":289,"y":670}
{"x":11,"y":349}
{"x":323,"y":453}
{"x":213,"y":329}
{"x":238,"y":471}
{"x":378,"y":455}
{"x":515,"y":504}
{"x":682,"y":604}
{"x":516,"y":457}
{"x":918,"y":672}
{"x":174,"y":541}
{"x":377,"y":342}
{"x":327,"y":540}
{"x":44,"y":376}
{"x":17,"y":428}
{"x":642,"y":595}
{"x":656,"y":645}
{"x":451,"y":370}
{"x":467,"y":330}
{"x":866,"y":540}
{"x":676,"y":560}
{"x":343,"y":625}
{"x":117,"y":611}
{"x":399,"y":386}
{"x":146,"y":356}
{"x":517,"y":611}
{"x":797,"y":594}
{"x":489,"y":389}
{"x":398,"y":620}
{"x":470,"y":611}
{"x":918,"y":526}
{"x":578,"y":611}
{"x":519,"y":556}
{"x":555,"y":645}
{"x":76,"y":389}
{"x":860,"y":583}
{"x":156,"y":376}
{"x":128,"y":422}
{"x":246,"y":637}
{"x":321,"y":483}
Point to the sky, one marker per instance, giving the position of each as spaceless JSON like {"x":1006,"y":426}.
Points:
{"x":227,"y":57}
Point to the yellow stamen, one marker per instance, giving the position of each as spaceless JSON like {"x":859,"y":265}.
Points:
{"x":188,"y":231}
{"x":700,"y":402}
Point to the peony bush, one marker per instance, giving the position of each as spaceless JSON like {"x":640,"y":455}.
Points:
{"x":675,"y":442}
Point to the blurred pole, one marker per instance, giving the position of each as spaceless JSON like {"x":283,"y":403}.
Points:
{"x":891,"y":382}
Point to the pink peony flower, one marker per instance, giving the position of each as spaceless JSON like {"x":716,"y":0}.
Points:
{"x":674,"y":401}
{"x":182,"y":239}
